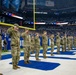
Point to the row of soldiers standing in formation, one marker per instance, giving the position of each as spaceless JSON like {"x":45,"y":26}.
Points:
{"x":33,"y":44}
{"x":66,"y":42}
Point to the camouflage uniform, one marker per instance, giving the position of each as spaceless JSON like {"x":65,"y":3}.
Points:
{"x":33,"y":44}
{"x":65,"y":42}
{"x":62,"y":43}
{"x":69,"y":43}
{"x":27,"y":46}
{"x":15,"y":46}
{"x":44,"y":44}
{"x":37,"y":47}
{"x":0,"y":46}
{"x":74,"y":41}
{"x":58,"y":43}
{"x":52,"y":44}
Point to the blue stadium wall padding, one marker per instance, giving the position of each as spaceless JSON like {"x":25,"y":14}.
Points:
{"x":41,"y":41}
{"x":8,"y":39}
{"x":21,"y":42}
{"x":48,"y":41}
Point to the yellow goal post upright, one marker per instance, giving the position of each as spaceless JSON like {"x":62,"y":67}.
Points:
{"x":34,"y":27}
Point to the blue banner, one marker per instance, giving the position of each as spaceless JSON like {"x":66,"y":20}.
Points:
{"x":16,"y":4}
{"x":5,"y":3}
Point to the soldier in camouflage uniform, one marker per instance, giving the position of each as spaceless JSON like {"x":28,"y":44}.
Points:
{"x":65,"y":41}
{"x":27,"y":45}
{"x":74,"y":42}
{"x":52,"y":44}
{"x":69,"y":42}
{"x":33,"y":44}
{"x":15,"y":45}
{"x":62,"y":43}
{"x":44,"y":43}
{"x":58,"y":40}
{"x":37,"y":46}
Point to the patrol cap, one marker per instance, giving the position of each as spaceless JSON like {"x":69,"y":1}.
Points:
{"x":26,"y":29}
{"x":37,"y":33}
{"x":58,"y":33}
{"x":16,"y":25}
{"x":52,"y":35}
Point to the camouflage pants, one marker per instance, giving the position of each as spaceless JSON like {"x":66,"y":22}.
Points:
{"x":44,"y":49}
{"x":63,"y":49}
{"x":52,"y":48}
{"x":58,"y":47}
{"x":37,"y":48}
{"x":26,"y":53}
{"x":15,"y":54}
{"x":69,"y":47}
{"x":32,"y":48}
{"x":0,"y":51}
{"x":65,"y":46}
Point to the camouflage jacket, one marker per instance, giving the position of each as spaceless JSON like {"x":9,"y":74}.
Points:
{"x":15,"y":36}
{"x":52,"y":41}
{"x":27,"y":39}
{"x":58,"y":39}
{"x":65,"y":39}
{"x":44,"y":39}
{"x":62,"y":41}
{"x":37,"y":41}
{"x":32,"y":41}
{"x":68,"y":40}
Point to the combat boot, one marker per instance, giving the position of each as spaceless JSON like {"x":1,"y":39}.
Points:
{"x":45,"y":57}
{"x":25,"y":62}
{"x":28,"y":62}
{"x":37,"y":59}
{"x":14,"y":67}
{"x":1,"y":74}
{"x":17,"y":67}
{"x":52,"y":54}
